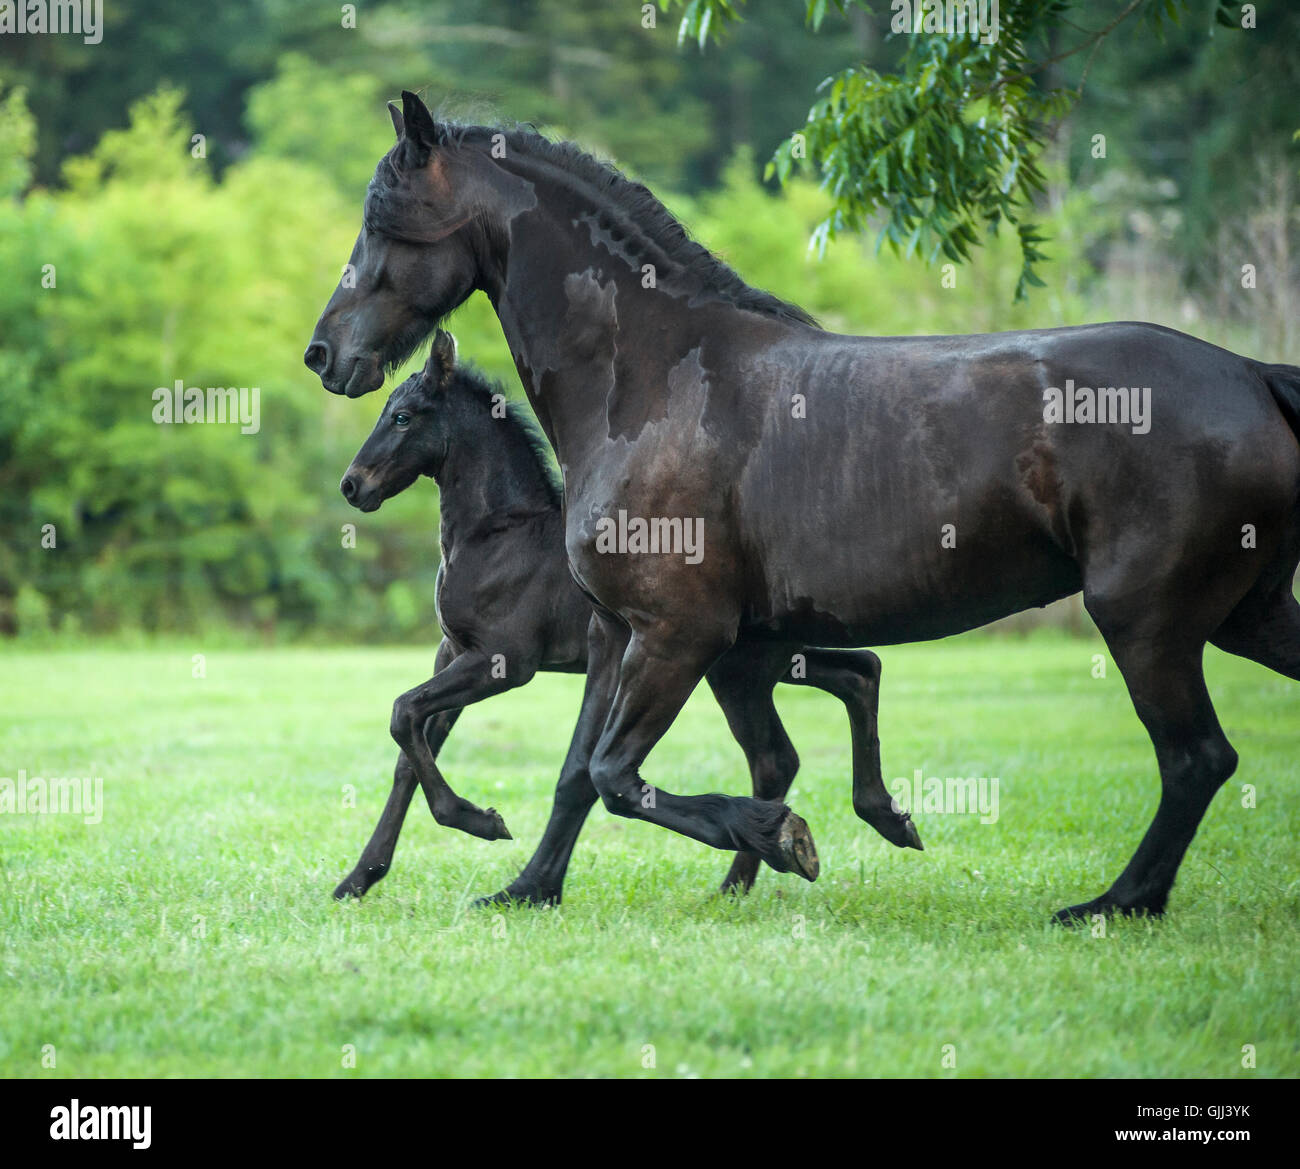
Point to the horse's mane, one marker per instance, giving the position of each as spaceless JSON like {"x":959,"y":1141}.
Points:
{"x":634,"y":202}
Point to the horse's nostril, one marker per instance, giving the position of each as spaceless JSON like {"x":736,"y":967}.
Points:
{"x":348,"y":487}
{"x":317,"y":357}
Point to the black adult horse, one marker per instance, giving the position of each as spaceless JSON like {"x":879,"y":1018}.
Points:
{"x":508,"y":607}
{"x":852,"y":490}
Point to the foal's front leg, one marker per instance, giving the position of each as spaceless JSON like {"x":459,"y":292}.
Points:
{"x":471,"y":677}
{"x":448,"y":809}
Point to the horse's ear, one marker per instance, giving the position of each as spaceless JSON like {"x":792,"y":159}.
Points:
{"x":396,"y":115}
{"x":442,"y":357}
{"x":420,"y":130}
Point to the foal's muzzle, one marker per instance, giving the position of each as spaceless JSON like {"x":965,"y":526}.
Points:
{"x":360,"y":492}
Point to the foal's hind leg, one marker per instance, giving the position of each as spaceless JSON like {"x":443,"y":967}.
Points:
{"x":853,"y":676}
{"x":1167,"y":685}
{"x":1267,"y":631}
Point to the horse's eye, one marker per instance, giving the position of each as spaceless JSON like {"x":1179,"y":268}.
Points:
{"x":402,"y":420}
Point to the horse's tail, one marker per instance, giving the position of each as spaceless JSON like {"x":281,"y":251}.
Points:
{"x":1283,"y":383}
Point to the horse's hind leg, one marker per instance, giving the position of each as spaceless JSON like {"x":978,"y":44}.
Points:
{"x":742,"y":681}
{"x":1165,"y":680}
{"x":853,"y":676}
{"x":1264,"y":625}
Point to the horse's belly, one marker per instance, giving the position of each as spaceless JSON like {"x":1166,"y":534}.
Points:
{"x":856,"y":591}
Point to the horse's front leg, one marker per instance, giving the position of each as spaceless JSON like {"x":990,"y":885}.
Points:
{"x":742,"y":681}
{"x":657,"y":674}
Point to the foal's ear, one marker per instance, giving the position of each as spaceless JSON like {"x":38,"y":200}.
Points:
{"x":442,"y":357}
{"x":421,"y":133}
{"x":396,"y":115}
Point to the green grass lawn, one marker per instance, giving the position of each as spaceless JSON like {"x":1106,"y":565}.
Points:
{"x":192,"y":932}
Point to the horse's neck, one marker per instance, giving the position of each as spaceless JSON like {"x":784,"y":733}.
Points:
{"x":563,"y":328}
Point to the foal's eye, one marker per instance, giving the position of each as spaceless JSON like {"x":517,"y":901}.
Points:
{"x":402,"y":420}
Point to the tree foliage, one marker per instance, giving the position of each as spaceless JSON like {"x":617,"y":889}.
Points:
{"x":951,"y":142}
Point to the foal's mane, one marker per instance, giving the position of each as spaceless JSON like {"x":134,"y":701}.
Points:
{"x":520,"y":425}
{"x":633,"y":203}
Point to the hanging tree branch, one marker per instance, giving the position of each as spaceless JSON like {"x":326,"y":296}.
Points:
{"x":951,"y":142}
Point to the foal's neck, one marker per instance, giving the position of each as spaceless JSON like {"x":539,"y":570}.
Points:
{"x":491,"y":477}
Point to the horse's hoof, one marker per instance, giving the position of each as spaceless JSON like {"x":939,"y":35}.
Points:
{"x":797,"y":848}
{"x":913,"y":837}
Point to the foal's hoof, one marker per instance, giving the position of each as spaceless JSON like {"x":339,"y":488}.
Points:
{"x":509,"y":898}
{"x":797,"y":848}
{"x":740,"y":877}
{"x":1084,"y":913}
{"x":349,"y":889}
{"x":898,"y":829}
{"x":499,"y":826}
{"x":486,"y":824}
{"x":1074,"y":915}
{"x":889,"y":819}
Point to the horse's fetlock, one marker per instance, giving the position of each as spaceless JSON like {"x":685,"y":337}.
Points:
{"x":619,"y":797}
{"x":618,"y":803}
{"x":868,"y":809}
